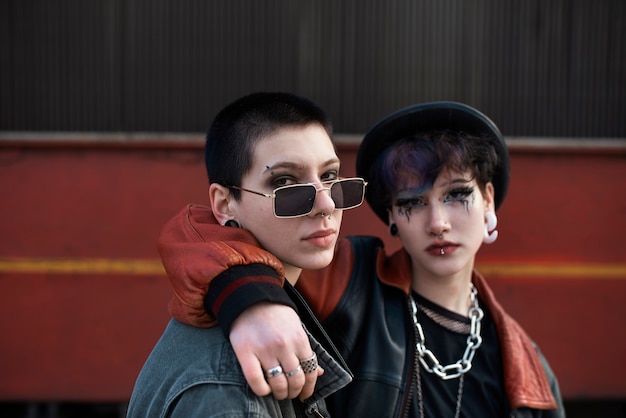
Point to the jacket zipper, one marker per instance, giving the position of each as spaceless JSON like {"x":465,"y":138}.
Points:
{"x":408,"y":398}
{"x":315,"y":412}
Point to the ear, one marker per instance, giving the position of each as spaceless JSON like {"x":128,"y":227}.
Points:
{"x":221,"y":198}
{"x":489,"y":196}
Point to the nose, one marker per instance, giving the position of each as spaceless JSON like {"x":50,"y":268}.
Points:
{"x":437,"y":222}
{"x":323,"y":201}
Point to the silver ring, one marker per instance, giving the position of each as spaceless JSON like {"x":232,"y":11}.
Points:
{"x":294,"y":371}
{"x":274,"y":371}
{"x":309,"y":365}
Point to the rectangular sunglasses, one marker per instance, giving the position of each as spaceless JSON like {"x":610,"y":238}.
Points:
{"x":297,"y":200}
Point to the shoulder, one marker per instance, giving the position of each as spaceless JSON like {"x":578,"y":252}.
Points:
{"x":185,"y":358}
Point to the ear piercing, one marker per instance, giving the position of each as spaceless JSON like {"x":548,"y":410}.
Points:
{"x":232,"y":223}
{"x":491,"y":234}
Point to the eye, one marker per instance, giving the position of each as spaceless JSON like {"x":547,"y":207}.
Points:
{"x":459,"y":195}
{"x":330,"y":175}
{"x":283,"y":180}
{"x":411,"y":202}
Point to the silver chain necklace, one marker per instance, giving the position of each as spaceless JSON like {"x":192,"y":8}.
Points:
{"x":451,"y":371}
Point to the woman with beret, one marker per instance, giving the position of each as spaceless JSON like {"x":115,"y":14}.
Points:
{"x":420,"y":329}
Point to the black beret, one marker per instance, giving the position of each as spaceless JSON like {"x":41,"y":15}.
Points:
{"x":422,"y":118}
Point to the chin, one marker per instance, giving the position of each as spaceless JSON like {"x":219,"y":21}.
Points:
{"x":319,"y":261}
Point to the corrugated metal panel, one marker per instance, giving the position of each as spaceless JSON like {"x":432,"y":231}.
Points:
{"x":58,"y":70}
{"x":538,"y":68}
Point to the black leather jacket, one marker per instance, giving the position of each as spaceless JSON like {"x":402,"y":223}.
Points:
{"x":372,"y":329}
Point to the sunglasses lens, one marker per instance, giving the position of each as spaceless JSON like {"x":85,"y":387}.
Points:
{"x":298,"y":199}
{"x":347,"y":193}
{"x":294,"y":200}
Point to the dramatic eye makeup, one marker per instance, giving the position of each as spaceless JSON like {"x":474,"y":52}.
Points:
{"x":461,"y":195}
{"x":407,"y":203}
{"x":458,"y":192}
{"x":287,"y":174}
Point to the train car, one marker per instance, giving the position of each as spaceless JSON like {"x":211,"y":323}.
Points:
{"x":84,"y":296}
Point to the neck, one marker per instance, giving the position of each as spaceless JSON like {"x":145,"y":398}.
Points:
{"x":292,"y":274}
{"x":451,"y":293}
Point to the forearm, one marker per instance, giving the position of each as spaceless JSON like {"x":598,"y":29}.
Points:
{"x":240,"y":287}
{"x":195,"y":250}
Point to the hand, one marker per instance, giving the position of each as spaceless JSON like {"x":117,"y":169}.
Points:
{"x":267,"y":335}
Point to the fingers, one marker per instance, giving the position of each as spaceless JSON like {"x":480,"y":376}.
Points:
{"x":287,"y":384}
{"x":254,"y":373}
{"x":311,"y":371}
{"x":300,"y":380}
{"x":280,"y":380}
{"x":266,"y":336}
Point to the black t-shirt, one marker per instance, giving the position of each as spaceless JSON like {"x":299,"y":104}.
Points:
{"x":445,"y":334}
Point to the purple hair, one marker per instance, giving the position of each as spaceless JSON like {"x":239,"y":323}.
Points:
{"x":413,"y":163}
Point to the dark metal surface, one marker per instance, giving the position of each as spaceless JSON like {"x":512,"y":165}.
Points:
{"x":537,"y":68}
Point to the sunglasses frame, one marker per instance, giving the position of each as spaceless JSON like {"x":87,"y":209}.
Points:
{"x":330,"y":184}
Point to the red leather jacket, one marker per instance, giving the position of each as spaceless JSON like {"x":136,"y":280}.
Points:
{"x":196,"y":250}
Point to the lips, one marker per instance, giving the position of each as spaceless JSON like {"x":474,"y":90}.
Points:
{"x":322,"y":238}
{"x":437,"y":247}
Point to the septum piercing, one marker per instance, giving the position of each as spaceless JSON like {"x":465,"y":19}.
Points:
{"x":324,"y":214}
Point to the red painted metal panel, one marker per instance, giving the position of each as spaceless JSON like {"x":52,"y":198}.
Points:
{"x":93,"y":202}
{"x":84,"y":335}
{"x":578,"y":325}
{"x":77,"y":337}
{"x":563,"y":207}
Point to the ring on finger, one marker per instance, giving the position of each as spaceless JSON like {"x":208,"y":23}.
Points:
{"x":294,"y":371}
{"x":309,"y":365}
{"x":274,"y":371}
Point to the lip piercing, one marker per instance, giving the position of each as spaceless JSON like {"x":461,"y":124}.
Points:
{"x":442,"y":252}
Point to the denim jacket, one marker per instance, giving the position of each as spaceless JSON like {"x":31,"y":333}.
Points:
{"x":193,"y":372}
